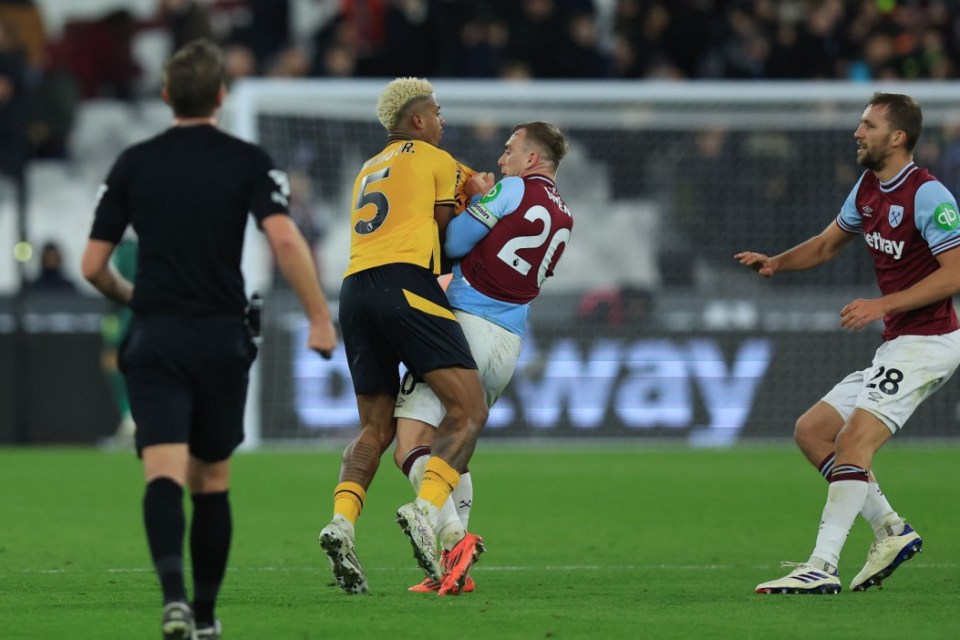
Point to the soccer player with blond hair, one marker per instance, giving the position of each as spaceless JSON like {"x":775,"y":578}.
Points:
{"x":392,"y":311}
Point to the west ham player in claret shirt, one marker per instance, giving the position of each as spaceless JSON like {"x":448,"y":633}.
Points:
{"x":506,"y":244}
{"x":910,"y":225}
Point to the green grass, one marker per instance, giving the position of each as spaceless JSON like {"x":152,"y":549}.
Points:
{"x":594,"y":542}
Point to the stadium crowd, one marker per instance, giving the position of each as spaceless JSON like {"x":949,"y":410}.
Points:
{"x":43,"y":78}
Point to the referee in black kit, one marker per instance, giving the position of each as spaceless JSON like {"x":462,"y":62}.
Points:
{"x":187,"y":192}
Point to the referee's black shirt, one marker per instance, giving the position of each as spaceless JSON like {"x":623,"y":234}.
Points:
{"x":187,"y":193}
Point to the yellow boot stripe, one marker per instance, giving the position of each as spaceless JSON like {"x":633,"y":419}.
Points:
{"x":421,"y":303}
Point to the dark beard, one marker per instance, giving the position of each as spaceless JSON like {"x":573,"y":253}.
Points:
{"x":871,"y":162}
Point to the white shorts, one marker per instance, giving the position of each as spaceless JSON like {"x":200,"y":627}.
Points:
{"x":495,"y":351}
{"x":905,"y":372}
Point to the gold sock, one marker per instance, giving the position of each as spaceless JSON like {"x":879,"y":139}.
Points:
{"x":348,"y":500}
{"x":439,"y":480}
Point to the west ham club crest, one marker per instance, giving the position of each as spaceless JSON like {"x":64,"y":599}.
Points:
{"x":895,"y":215}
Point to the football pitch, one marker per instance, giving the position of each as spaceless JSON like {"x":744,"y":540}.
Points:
{"x":595,"y":542}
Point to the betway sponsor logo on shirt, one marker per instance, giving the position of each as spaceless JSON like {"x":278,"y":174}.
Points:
{"x":889,"y":247}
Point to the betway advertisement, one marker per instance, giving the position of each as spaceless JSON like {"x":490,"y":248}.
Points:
{"x":704,"y":388}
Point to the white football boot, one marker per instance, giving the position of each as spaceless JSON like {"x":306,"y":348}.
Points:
{"x":805,"y":578}
{"x":337,"y":543}
{"x":885,"y":556}
{"x":416,"y":526}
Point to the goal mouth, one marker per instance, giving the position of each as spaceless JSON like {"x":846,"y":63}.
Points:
{"x":666,"y":181}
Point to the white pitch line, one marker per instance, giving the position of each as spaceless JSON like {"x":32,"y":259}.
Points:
{"x":482,"y":568}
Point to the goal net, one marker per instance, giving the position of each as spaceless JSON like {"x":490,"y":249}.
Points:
{"x":649,"y":329}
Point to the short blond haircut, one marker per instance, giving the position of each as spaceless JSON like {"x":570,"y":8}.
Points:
{"x":397,"y":96}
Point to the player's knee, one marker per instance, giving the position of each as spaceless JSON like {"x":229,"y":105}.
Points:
{"x":849,"y":443}
{"x":468,"y":418}
{"x":808,"y":431}
{"x":861,"y":437}
{"x":377,"y":434}
{"x":474,"y":416}
{"x":481,"y":414}
{"x":801,"y":431}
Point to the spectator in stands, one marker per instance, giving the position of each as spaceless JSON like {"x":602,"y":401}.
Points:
{"x":53,"y":107}
{"x":266,"y":30}
{"x":239,"y":62}
{"x":677,"y":39}
{"x":25,"y":29}
{"x":292,"y":62}
{"x":365,"y":29}
{"x":410,"y":42}
{"x":935,"y":60}
{"x":483,"y":37}
{"x":14,"y":102}
{"x":580,"y":53}
{"x":51,"y":278}
{"x":101,"y":55}
{"x":639,"y":40}
{"x":785,"y":60}
{"x":336,"y":61}
{"x":688,"y":22}
{"x":539,"y":22}
{"x":744,"y":51}
{"x":186,"y":21}
{"x":358,"y":29}
{"x":820,"y":46}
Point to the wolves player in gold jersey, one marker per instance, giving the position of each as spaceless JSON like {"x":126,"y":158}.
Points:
{"x":393,"y":310}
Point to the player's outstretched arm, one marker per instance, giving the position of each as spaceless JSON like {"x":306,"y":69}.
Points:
{"x":819,"y":249}
{"x":296,"y":263}
{"x":759,"y":262}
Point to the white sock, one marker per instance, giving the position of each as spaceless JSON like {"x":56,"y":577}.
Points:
{"x":844,"y":501}
{"x":463,"y":499}
{"x":450,"y":531}
{"x":416,"y":473}
{"x":881,"y":516}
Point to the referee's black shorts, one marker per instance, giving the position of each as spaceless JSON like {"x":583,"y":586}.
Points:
{"x":398,"y":313}
{"x":187,"y":381}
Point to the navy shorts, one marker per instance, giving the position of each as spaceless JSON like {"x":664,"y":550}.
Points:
{"x":187,"y":381}
{"x":398,"y":313}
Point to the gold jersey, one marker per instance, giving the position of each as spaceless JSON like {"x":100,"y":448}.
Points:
{"x":393,"y":200}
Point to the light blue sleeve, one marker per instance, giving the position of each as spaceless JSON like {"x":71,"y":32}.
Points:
{"x":849,"y":218}
{"x":471,"y":226}
{"x":936,"y":215}
{"x":463,"y":234}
